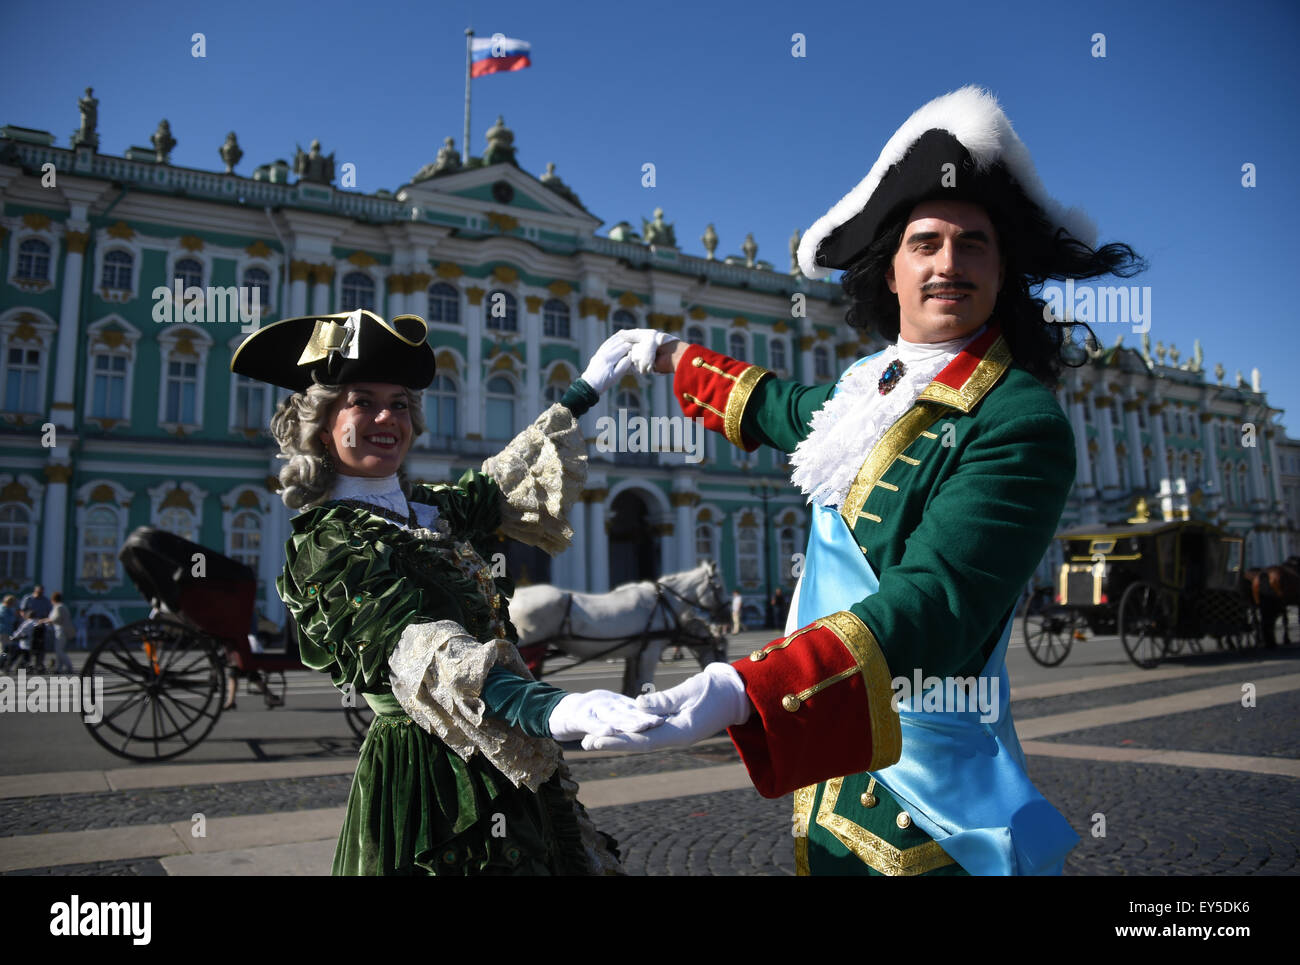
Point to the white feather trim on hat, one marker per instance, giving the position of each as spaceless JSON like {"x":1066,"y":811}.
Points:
{"x":974,"y":117}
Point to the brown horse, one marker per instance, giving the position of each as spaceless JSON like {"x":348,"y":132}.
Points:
{"x":1273,"y":589}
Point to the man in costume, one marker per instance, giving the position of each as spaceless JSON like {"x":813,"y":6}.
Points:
{"x":937,"y":471}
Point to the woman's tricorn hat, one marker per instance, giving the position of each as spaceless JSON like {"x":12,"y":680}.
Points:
{"x":356,"y":346}
{"x":958,"y":147}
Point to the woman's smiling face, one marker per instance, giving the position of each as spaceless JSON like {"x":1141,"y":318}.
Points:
{"x":369,"y":429}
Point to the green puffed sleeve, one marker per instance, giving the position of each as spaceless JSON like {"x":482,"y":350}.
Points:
{"x":352,"y":590}
{"x":472,"y":506}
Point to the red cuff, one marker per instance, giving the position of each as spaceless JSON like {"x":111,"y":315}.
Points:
{"x":715,"y":388}
{"x":823,"y":707}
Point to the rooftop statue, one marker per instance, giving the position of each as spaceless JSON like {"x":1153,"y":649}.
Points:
{"x":313,"y":166}
{"x":658,"y":232}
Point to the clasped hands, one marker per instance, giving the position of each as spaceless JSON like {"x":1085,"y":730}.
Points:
{"x":644,"y":349}
{"x":699,"y":707}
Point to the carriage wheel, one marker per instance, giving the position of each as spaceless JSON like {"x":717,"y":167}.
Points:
{"x":359,"y":718}
{"x":1145,"y":624}
{"x":162,"y":690}
{"x":1049,"y":629}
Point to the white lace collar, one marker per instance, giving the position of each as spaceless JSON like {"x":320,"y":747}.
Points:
{"x":855,"y":418}
{"x":384,"y":493}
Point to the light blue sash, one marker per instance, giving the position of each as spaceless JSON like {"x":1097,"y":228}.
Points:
{"x":962,"y":781}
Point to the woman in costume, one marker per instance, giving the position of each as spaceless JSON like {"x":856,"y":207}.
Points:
{"x":460,"y":772}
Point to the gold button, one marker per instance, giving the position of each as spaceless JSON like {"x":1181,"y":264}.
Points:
{"x":791,"y":703}
{"x":757,"y":655}
{"x":869,"y":800}
{"x":697,"y":361}
{"x":904,"y":820}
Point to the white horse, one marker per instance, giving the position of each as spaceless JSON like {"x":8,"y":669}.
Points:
{"x":634,"y":621}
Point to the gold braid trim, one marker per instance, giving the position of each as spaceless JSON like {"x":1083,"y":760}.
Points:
{"x":803,"y":805}
{"x":886,"y":729}
{"x":738,"y":399}
{"x":874,"y":851}
{"x":899,"y":436}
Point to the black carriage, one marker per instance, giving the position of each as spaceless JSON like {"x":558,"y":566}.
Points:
{"x":1158,"y":585}
{"x":165,"y":676}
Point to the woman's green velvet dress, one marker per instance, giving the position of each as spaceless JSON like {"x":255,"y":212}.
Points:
{"x":353,"y":581}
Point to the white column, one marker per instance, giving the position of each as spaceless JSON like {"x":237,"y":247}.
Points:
{"x":660,"y":406}
{"x":1106,"y":443}
{"x":685,"y":529}
{"x":1160,"y":454}
{"x":1137,"y":467}
{"x":396,"y":285}
{"x":532,"y":323}
{"x":1258,"y":497}
{"x":298,"y":272}
{"x":54,"y":524}
{"x":474,"y":367}
{"x":598,"y":541}
{"x":66,"y":354}
{"x":577,"y":553}
{"x":1083,"y":460}
{"x":1210,"y":445}
{"x":806,"y":372}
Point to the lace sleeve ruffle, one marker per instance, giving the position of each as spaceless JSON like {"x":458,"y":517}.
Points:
{"x":541,"y":474}
{"x":437,"y":675}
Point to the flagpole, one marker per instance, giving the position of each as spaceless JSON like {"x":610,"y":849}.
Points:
{"x":464,"y":144}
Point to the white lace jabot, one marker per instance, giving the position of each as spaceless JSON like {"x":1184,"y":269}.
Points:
{"x":854,"y":419}
{"x":385,"y":493}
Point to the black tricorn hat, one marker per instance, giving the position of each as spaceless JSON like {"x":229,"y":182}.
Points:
{"x":958,"y":147}
{"x":356,"y":346}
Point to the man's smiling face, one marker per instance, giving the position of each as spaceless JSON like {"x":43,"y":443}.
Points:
{"x":947,"y":271}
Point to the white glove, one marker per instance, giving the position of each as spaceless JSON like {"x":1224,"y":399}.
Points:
{"x":609,"y":364}
{"x":699,"y":707}
{"x":646,"y":343}
{"x":599,"y":713}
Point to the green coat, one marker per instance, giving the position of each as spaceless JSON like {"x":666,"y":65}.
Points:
{"x":953,"y":508}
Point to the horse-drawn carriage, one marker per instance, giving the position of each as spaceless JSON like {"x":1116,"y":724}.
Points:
{"x":165,"y":677}
{"x":1159,"y":585}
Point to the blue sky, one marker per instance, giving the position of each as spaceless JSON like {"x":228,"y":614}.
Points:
{"x":1150,"y":140}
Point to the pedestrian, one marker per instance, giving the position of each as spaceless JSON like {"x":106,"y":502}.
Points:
{"x":9,"y":618}
{"x":37,"y":606}
{"x":737,"y":604}
{"x":60,"y":623}
{"x":937,"y":470}
{"x":778,"y":608}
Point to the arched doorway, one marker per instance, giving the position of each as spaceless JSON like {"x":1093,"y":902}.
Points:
{"x":633,"y":544}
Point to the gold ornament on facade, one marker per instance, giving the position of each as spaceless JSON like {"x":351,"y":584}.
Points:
{"x":322,"y":274}
{"x":258,"y":249}
{"x":740,"y":321}
{"x":177,"y":497}
{"x":448,"y":269}
{"x":594,"y":495}
{"x":299,"y":270}
{"x":533,"y":303}
{"x":121,"y":230}
{"x":806,"y":342}
{"x":698,"y":313}
{"x":248,"y":500}
{"x":629,"y":300}
{"x":560,"y":289}
{"x":58,"y":472}
{"x":474,"y":295}
{"x":76,"y":241}
{"x":15,"y":492}
{"x":362,"y":259}
{"x":24,"y":331}
{"x":417,"y":281}
{"x":36,"y":221}
{"x":447,"y":362}
{"x":504,"y":223}
{"x":684,"y":499}
{"x":191,"y":242}
{"x":593,"y":307}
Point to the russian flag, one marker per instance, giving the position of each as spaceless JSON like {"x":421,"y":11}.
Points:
{"x":492,"y":55}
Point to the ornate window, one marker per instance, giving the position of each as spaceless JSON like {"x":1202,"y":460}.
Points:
{"x":189,"y":272}
{"x":118,"y":267}
{"x":22,"y":373}
{"x":180,"y":522}
{"x":184,"y":357}
{"x":260,"y":279}
{"x":705,"y":542}
{"x":502,"y":312}
{"x":180,"y":392}
{"x":99,"y":538}
{"x":440,"y":407}
{"x":555,"y":318}
{"x":444,"y":304}
{"x":108,"y":385}
{"x":251,"y":399}
{"x":622,"y":319}
{"x":821,"y":362}
{"x":737,"y":347}
{"x":788,"y":542}
{"x":776,"y":355}
{"x":553,"y":393}
{"x":33,"y":260}
{"x":696,"y":336}
{"x":500,"y":397}
{"x":17,"y":534}
{"x":748,"y":563}
{"x":358,"y":291}
{"x":246,"y":538}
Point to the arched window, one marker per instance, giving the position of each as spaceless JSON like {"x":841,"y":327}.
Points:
{"x":555,"y":318}
{"x":178,"y":521}
{"x":1242,"y":483}
{"x":502,"y":312}
{"x":553,"y":393}
{"x":22,"y":379}
{"x":622,"y":319}
{"x":821,"y":362}
{"x":250,"y":403}
{"x":15,"y":542}
{"x":630,"y":400}
{"x":788,"y":542}
{"x":116,"y":274}
{"x":189,"y":272}
{"x":444,"y":304}
{"x":696,"y":336}
{"x":705,"y":548}
{"x":34,"y":260}
{"x":747,"y":555}
{"x":259,"y":279}
{"x":108,"y":385}
{"x":440,"y":410}
{"x":99,"y":545}
{"x":246,"y":538}
{"x":500,"y":408}
{"x":358,"y":292}
{"x":181,"y":388}
{"x":736,"y":347}
{"x":776,"y":354}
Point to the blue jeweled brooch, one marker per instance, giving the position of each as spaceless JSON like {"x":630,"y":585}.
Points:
{"x":893,"y":372}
